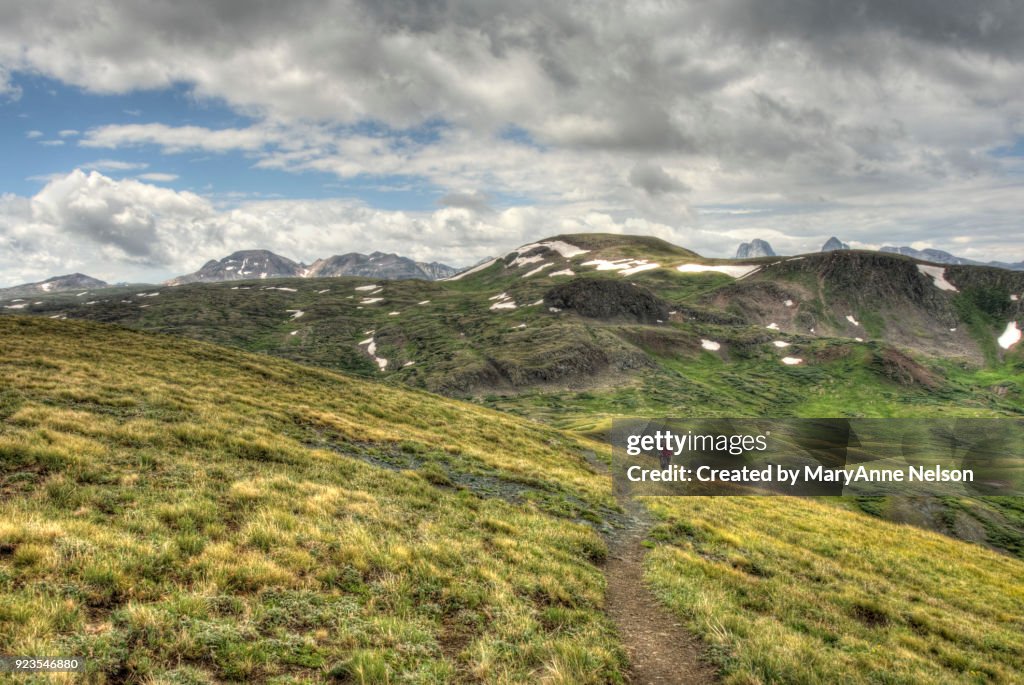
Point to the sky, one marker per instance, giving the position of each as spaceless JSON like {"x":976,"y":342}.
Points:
{"x":140,"y":139}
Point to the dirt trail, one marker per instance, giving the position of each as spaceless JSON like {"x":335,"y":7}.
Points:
{"x":661,"y":651}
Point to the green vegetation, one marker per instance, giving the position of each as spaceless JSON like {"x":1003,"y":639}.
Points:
{"x":445,"y":337}
{"x":178,"y":512}
{"x":786,"y":591}
{"x":184,"y":512}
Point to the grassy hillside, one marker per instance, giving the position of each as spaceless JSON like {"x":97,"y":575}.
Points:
{"x":180,"y":512}
{"x":788,"y":592}
{"x":188,"y":513}
{"x":870,"y":335}
{"x":494,"y":334}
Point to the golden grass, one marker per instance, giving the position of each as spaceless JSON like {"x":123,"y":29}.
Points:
{"x":794,"y":591}
{"x":182,"y":513}
{"x":177,"y":512}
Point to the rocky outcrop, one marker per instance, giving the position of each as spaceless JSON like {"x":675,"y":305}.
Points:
{"x":755,"y":248}
{"x":607,"y":299}
{"x":833,"y":244}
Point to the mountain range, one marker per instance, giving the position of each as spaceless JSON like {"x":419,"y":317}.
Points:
{"x":570,"y":334}
{"x":943,"y":257}
{"x":252,"y":264}
{"x":260,"y":264}
{"x":761,"y":248}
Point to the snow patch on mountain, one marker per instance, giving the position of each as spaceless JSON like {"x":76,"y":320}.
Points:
{"x":938,"y":276}
{"x":478,"y":267}
{"x":736,"y":271}
{"x":534,"y":272}
{"x":640,"y":267}
{"x":1011,"y":336}
{"x":371,"y":349}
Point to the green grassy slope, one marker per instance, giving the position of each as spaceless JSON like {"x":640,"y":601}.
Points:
{"x":791,"y":593}
{"x":448,"y":337}
{"x":579,"y":373}
{"x":187,"y":513}
{"x":180,"y":512}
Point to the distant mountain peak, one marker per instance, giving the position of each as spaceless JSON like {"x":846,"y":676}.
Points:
{"x":242,"y":265}
{"x":943,"y":257}
{"x":374,"y":265}
{"x":755,"y":248}
{"x":55,"y":284}
{"x":833,"y":244}
{"x":256,"y":264}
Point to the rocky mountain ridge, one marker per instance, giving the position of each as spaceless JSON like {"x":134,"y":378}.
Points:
{"x":261,"y":264}
{"x":75,"y":281}
{"x":755,"y":248}
{"x":943,"y":257}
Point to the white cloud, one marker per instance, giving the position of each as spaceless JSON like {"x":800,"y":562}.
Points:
{"x":130,"y":230}
{"x":874,"y":120}
{"x":68,"y":133}
{"x":133,"y":230}
{"x":176,"y":139}
{"x":34,"y":134}
{"x":51,"y":143}
{"x":124,"y":221}
{"x":158,"y":176}
{"x":114,"y":165}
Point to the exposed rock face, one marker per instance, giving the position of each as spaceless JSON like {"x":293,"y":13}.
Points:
{"x":435,"y":271}
{"x":374,"y":265}
{"x":755,"y":248}
{"x":56,"y":284}
{"x":608,"y":299}
{"x":833,"y":244}
{"x":243,"y":265}
{"x":249,"y":264}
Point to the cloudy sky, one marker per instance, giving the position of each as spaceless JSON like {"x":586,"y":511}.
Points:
{"x":142,"y":138}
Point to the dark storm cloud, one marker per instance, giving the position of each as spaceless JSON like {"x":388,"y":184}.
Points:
{"x":990,"y":27}
{"x":644,"y":76}
{"x":654,"y":180}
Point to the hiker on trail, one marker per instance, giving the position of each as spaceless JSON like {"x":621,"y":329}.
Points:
{"x":666,"y":458}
